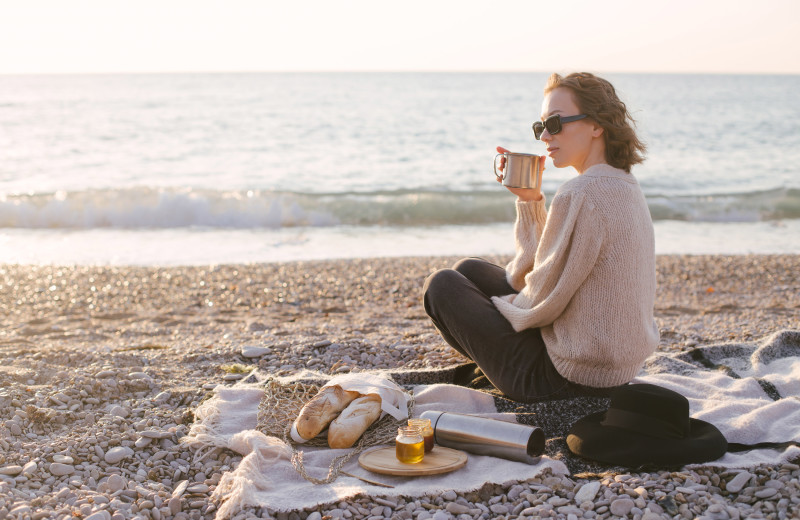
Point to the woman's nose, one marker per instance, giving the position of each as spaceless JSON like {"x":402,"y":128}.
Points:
{"x":545,"y":137}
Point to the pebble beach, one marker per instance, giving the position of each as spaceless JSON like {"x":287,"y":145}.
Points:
{"x":101,"y":369}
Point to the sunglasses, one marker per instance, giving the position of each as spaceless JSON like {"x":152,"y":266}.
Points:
{"x":553,"y":124}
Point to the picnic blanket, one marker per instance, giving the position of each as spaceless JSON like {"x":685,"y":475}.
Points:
{"x":748,"y":390}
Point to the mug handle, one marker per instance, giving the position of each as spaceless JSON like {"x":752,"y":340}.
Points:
{"x":500,"y":178}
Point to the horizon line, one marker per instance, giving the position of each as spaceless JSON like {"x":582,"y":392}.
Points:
{"x":394,"y":71}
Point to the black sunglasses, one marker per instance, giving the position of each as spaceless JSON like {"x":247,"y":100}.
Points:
{"x":553,"y":124}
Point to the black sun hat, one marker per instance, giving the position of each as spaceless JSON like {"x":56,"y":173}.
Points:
{"x":646,"y":425}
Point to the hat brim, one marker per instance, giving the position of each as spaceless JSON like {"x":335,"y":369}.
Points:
{"x":592,"y":440}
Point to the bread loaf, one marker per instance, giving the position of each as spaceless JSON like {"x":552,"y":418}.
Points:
{"x":354,"y":420}
{"x":320,"y":411}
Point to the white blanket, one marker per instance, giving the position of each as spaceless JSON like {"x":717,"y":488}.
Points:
{"x":749,"y":391}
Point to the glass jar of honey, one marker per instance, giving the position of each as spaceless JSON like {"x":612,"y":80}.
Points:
{"x":409,"y":445}
{"x":425,"y":428}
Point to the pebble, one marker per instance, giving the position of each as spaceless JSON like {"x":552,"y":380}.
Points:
{"x":621,"y":506}
{"x":153,"y":434}
{"x":766,"y":493}
{"x":499,"y":509}
{"x":449,"y":495}
{"x":99,"y":515}
{"x":116,"y":483}
{"x":198,"y":489}
{"x":180,"y":489}
{"x":11,"y":470}
{"x":119,"y":411}
{"x":587,"y":492}
{"x":456,"y":508}
{"x":738,"y":482}
{"x":251,"y":351}
{"x":141,"y":442}
{"x":117,"y":454}
{"x":174,"y":505}
{"x":58,"y":469}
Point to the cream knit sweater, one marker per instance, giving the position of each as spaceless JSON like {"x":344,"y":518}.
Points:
{"x":587,"y":278}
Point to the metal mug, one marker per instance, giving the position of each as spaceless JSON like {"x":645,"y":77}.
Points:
{"x":521,"y":171}
{"x":486,"y":436}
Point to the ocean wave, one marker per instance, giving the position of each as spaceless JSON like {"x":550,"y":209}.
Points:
{"x":167,"y":208}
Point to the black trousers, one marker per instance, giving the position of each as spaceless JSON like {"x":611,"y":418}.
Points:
{"x":458,"y":301}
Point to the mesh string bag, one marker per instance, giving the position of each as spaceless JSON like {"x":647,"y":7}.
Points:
{"x":281,"y":405}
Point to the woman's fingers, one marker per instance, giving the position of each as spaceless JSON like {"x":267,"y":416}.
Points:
{"x":502,"y":166}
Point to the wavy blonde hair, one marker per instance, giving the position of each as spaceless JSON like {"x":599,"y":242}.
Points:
{"x":597,"y":98}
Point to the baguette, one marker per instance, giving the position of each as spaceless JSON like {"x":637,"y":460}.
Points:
{"x":354,"y":420}
{"x":320,"y":411}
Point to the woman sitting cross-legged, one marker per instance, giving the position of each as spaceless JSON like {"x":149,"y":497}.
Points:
{"x":572,"y":313}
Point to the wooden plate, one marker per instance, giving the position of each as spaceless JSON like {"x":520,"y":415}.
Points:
{"x":438,"y":460}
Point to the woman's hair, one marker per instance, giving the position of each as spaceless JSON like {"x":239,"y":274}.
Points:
{"x":597,"y":98}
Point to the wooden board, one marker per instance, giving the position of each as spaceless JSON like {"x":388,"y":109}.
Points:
{"x":438,"y":460}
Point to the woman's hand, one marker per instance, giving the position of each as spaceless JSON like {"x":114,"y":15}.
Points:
{"x":524,"y":194}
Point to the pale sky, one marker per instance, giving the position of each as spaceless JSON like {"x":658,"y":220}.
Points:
{"x":97,"y":36}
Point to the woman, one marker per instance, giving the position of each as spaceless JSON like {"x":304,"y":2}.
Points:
{"x":572,"y":314}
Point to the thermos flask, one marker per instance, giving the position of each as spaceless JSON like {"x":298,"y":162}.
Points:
{"x":485,"y":436}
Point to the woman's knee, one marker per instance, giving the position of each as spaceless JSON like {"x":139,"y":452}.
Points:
{"x":466,"y":266}
{"x":439,"y":281}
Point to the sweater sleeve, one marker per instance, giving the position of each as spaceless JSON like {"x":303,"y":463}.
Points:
{"x":531,"y":219}
{"x":567,"y":251}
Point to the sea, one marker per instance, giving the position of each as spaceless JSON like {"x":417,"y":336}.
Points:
{"x":204,"y":169}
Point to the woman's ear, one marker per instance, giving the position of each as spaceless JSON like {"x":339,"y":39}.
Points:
{"x":597,"y":130}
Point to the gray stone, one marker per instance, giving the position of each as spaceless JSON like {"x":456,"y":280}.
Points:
{"x":155,"y":434}
{"x":456,"y":509}
{"x":621,"y":506}
{"x":180,"y":488}
{"x":256,"y":327}
{"x":499,"y":509}
{"x":99,"y":515}
{"x":58,"y":469}
{"x":738,"y":482}
{"x":587,"y":492}
{"x":198,"y":489}
{"x":174,"y":505}
{"x":766,"y":493}
{"x":119,"y":411}
{"x":116,"y":482}
{"x":141,"y":442}
{"x":21,"y":509}
{"x":252,"y":351}
{"x":449,"y":495}
{"x":117,"y":454}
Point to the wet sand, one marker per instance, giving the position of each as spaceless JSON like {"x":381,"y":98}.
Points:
{"x":102,"y":367}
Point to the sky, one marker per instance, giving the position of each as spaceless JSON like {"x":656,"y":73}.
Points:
{"x":110,"y":36}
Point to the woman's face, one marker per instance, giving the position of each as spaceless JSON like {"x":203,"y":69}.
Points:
{"x":579,"y":143}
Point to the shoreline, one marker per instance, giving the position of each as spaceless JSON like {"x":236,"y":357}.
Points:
{"x":200,"y":247}
{"x":91,"y":357}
